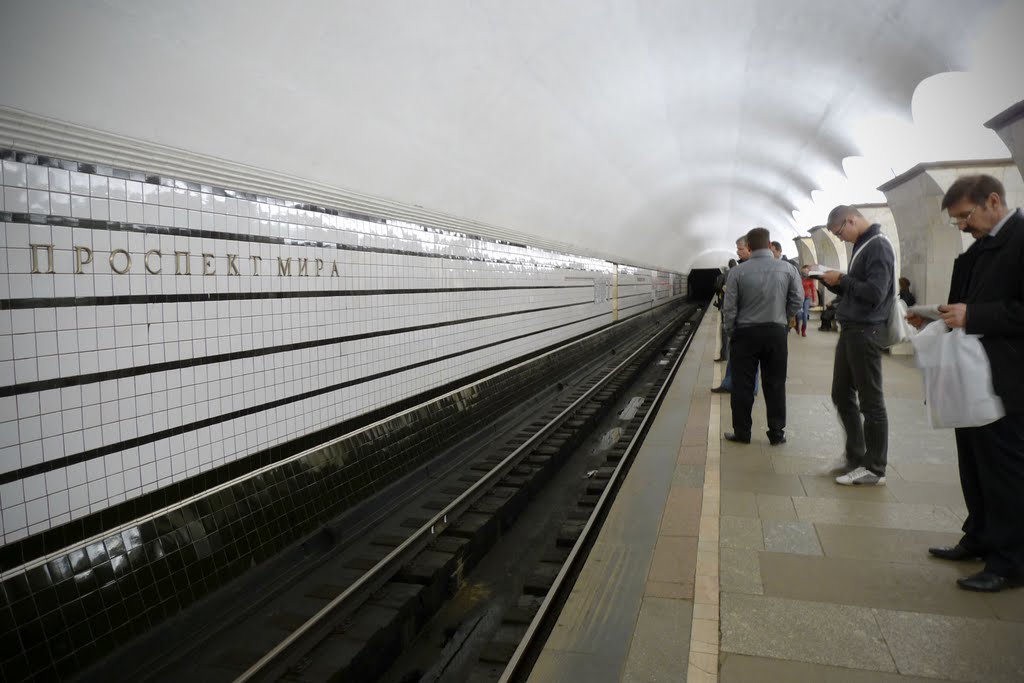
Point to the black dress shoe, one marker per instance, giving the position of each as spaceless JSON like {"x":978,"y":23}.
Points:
{"x":986,"y":582}
{"x":729,"y":436}
{"x":776,"y":441}
{"x":956,"y":553}
{"x":719,"y":390}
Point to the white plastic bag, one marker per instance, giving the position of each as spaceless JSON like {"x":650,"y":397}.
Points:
{"x":897,"y":329}
{"x":957,"y":378}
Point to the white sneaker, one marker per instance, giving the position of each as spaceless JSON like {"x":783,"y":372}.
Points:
{"x":861,"y":477}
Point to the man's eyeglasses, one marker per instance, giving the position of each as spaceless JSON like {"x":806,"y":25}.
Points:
{"x":837,"y":227}
{"x":955,"y":221}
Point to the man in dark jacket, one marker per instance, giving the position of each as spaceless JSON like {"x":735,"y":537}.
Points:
{"x":986,"y":297}
{"x":868,"y":290}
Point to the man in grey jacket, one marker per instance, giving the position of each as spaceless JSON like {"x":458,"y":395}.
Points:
{"x":760,"y":297}
{"x":867,"y":292}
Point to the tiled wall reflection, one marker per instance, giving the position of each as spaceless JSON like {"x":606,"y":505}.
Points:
{"x":153,"y":329}
{"x":60,"y":615}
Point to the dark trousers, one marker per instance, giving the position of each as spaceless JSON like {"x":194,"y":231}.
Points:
{"x":992,"y":476}
{"x":763,"y":345}
{"x":857,"y":391}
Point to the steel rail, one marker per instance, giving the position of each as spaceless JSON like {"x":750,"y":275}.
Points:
{"x":382,"y":571}
{"x":516,"y":665}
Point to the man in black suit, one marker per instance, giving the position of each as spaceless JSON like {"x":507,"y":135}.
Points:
{"x":986,"y":297}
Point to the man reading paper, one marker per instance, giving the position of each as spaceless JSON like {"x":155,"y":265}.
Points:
{"x":986,"y":297}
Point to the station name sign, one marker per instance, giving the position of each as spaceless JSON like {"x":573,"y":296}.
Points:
{"x":157,"y":262}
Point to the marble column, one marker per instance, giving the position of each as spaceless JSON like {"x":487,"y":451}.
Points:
{"x":1009,"y":126}
{"x":830,"y":253}
{"x":928,"y":243}
{"x":805,"y":252}
{"x":881,"y":214}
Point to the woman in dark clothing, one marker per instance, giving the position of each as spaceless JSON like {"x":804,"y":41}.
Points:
{"x":908,"y":297}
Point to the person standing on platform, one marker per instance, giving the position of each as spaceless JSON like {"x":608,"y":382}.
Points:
{"x":986,"y":297}
{"x":742,"y":253}
{"x":760,"y":297}
{"x":810,"y":299}
{"x":905,"y":294}
{"x":777,"y":253}
{"x":867,"y":296}
{"x":723,"y":352}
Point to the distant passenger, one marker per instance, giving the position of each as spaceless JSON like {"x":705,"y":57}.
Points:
{"x":810,"y":288}
{"x":723,"y":352}
{"x":777,"y":253}
{"x":905,"y":294}
{"x":868,"y":290}
{"x":986,"y":297}
{"x":742,"y":253}
{"x":760,"y":297}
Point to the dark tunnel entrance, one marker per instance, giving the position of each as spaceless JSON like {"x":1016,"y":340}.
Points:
{"x":701,"y":283}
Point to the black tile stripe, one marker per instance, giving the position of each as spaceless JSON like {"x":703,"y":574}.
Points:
{"x":61,"y":382}
{"x":97,"y":523}
{"x":65,"y":302}
{"x":150,"y":229}
{"x":84,"y":456}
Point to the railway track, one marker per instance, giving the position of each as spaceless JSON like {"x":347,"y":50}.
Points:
{"x":365,"y":608}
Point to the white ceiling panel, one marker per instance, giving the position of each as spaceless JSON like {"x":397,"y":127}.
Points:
{"x":650,"y":130}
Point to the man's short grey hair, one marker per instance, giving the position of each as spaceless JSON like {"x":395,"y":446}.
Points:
{"x":742,"y":241}
{"x":840,"y":214}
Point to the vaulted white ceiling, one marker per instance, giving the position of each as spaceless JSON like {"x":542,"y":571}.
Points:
{"x":653,"y":131}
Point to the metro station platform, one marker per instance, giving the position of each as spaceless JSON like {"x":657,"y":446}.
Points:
{"x":736,"y":563}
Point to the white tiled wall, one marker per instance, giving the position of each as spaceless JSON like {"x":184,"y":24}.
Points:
{"x":44,"y":343}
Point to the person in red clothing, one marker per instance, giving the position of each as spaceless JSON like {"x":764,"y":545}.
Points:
{"x":810,"y":299}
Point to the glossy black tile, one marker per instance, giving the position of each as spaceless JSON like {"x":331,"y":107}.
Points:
{"x":79,"y":560}
{"x":153,"y":569}
{"x":114,"y":545}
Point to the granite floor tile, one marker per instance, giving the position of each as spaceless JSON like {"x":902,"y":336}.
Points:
{"x":776,"y":508}
{"x":869,"y":583}
{"x":790,"y":537}
{"x":746,"y":669}
{"x":1008,"y":605}
{"x":690,"y":476}
{"x":948,"y":494}
{"x":695,"y":435}
{"x":954,"y":648}
{"x":660,"y":643}
{"x":674,"y":560}
{"x":821,"y":633}
{"x":889,"y":545}
{"x":741,"y":532}
{"x":692,"y":455}
{"x":937,"y":473}
{"x":869,"y":513}
{"x":739,"y":504}
{"x":664,"y":589}
{"x":758,"y":482}
{"x":744,"y":463}
{"x":682,"y":512}
{"x":740,"y":571}
{"x":809,"y":465}
{"x":823,"y":486}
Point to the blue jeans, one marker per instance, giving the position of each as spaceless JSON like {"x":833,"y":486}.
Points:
{"x":805,"y":312}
